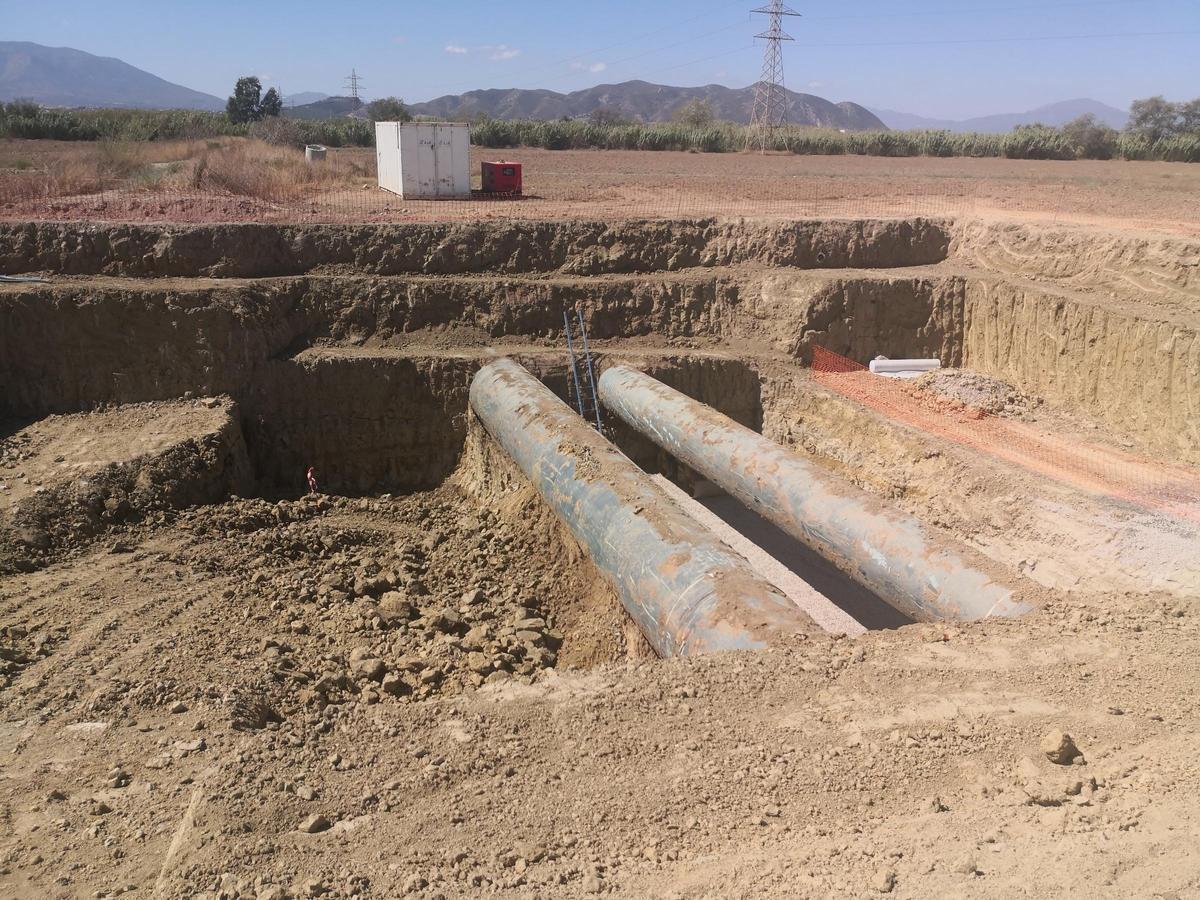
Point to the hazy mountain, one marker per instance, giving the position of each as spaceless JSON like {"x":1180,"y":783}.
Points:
{"x":60,"y":76}
{"x":329,"y":108}
{"x":1053,"y":114}
{"x":643,"y":101}
{"x":305,"y":97}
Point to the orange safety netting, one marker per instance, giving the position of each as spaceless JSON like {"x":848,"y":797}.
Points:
{"x":1171,"y":489}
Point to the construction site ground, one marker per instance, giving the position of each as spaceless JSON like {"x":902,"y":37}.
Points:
{"x":607,"y":184}
{"x":414,"y":683}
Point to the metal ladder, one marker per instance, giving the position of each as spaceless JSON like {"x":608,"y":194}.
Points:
{"x":585,"y":401}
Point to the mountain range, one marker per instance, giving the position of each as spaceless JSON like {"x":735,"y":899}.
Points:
{"x":644,"y":101}
{"x":303,"y":98}
{"x":1056,"y":114}
{"x":60,"y":76}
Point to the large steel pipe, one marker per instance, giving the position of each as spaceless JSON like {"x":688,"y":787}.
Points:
{"x":687,"y":591}
{"x":880,"y":547}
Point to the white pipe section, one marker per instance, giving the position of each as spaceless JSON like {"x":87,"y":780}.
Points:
{"x":896,"y":366}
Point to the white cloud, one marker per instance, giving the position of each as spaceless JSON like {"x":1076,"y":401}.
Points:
{"x":589,"y":67}
{"x":816,"y":84}
{"x":400,"y":39}
{"x":455,"y":48}
{"x":503,"y":51}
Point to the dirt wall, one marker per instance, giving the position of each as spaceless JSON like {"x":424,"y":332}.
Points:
{"x":582,"y":248}
{"x":69,"y":508}
{"x":69,"y":346}
{"x":1163,"y":270}
{"x":1137,"y":373}
{"x":1055,"y":535}
{"x":370,"y":424}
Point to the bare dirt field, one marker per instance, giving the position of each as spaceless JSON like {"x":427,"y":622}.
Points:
{"x":419,"y":681}
{"x":603,"y":185}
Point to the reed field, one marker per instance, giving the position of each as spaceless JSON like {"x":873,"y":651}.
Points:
{"x":25,"y":120}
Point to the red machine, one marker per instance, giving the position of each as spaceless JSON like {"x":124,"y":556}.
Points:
{"x":501,"y":178}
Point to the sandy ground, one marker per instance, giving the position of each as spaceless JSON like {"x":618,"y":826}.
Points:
{"x":434,"y":695}
{"x":602,"y":184}
{"x":194,"y":716}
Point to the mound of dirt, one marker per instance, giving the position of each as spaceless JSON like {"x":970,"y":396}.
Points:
{"x":66,"y":478}
{"x":991,"y":395}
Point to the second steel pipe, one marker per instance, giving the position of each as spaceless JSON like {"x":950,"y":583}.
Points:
{"x":882,"y":548}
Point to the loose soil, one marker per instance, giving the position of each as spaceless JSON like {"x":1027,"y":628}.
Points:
{"x":623,"y":184}
{"x":415,"y":683}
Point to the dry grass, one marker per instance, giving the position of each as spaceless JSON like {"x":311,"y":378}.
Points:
{"x":250,"y":168}
{"x":230,"y":166}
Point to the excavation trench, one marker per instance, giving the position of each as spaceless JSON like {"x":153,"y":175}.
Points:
{"x":351,"y":349}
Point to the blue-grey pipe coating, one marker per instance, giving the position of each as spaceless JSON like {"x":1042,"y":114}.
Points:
{"x":883,"y":548}
{"x":687,"y":591}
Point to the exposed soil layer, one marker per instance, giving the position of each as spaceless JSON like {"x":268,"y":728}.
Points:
{"x":582,"y":248}
{"x":65,"y":479}
{"x":415,"y":682}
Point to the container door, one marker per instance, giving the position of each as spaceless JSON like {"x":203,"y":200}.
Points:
{"x":426,"y":161}
{"x":406,"y":142}
{"x":460,"y":152}
{"x":444,"y":154}
{"x":387,"y":156}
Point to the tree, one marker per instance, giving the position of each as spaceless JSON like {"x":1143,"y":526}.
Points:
{"x":272,"y":104}
{"x":1189,"y":117}
{"x":388,"y":109}
{"x":1091,"y":138}
{"x":243,"y":105}
{"x":248,"y":103}
{"x":607,"y":115}
{"x":1153,"y":118}
{"x":696,"y":113}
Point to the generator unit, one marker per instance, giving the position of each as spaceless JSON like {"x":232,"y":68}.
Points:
{"x":424,"y":160}
{"x":501,"y":178}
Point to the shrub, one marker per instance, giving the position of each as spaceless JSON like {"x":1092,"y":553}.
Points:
{"x":388,"y":109}
{"x":1091,"y":138}
{"x":696,"y":113}
{"x":1037,"y":142}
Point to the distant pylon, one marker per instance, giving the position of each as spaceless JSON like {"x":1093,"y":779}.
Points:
{"x":770,"y":96}
{"x":353,"y":80}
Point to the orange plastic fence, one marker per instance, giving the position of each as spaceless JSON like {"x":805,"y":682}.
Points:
{"x":1171,"y":489}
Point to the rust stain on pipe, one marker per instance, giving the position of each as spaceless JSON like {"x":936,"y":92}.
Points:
{"x":882,"y":548}
{"x":687,"y":591}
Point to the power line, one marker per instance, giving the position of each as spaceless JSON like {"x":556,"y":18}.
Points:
{"x":624,"y":43}
{"x":1006,"y":40}
{"x":958,"y":10}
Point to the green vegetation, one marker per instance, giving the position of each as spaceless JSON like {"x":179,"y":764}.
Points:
{"x":695,"y":113}
{"x":28,"y":120}
{"x":249,"y":104}
{"x":388,"y":109}
{"x":1154,"y":133}
{"x":1156,"y":119}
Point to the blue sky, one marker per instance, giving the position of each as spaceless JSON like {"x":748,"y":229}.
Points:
{"x":932,"y":57}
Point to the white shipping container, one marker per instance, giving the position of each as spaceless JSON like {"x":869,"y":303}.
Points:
{"x":424,"y":160}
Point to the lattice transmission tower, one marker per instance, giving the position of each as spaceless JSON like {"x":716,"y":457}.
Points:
{"x":353,"y":81}
{"x":770,"y":96}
